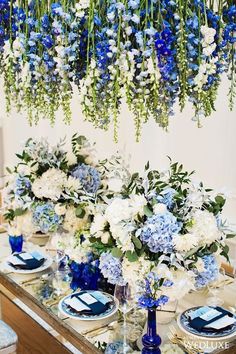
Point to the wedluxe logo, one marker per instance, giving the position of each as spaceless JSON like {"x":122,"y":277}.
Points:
{"x":206,"y":345}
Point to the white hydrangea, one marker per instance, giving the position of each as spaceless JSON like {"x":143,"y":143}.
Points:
{"x":60,"y":209}
{"x":133,"y":272}
{"x":159,"y":208}
{"x":205,"y":227}
{"x":118,"y":211}
{"x":137,"y":203}
{"x":50,"y":185}
{"x":72,"y":223}
{"x":184,"y":243}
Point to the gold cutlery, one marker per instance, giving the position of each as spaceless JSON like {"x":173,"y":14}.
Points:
{"x":176,"y":338}
{"x":29,"y":280}
{"x":100,"y":330}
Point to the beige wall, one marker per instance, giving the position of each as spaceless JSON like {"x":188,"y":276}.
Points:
{"x":209,"y":150}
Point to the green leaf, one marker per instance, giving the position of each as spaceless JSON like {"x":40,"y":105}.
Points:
{"x":116,"y":252}
{"x":19,"y":212}
{"x":131,"y":256}
{"x":80,"y":212}
{"x":137,"y":242}
{"x":214,"y":248}
{"x":147,"y":211}
{"x":220,"y":200}
{"x":230,"y":236}
{"x":8,"y":170}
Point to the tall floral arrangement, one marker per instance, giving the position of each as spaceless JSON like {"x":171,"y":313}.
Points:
{"x":152,"y":53}
{"x":50,"y":188}
{"x":163,"y":234}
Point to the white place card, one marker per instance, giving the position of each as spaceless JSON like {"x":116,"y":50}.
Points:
{"x":87,"y":298}
{"x":101,"y":297}
{"x":76,"y":304}
{"x":221,"y":323}
{"x":15,"y":261}
{"x":37,"y":255}
{"x":209,"y":315}
{"x":26,"y":256}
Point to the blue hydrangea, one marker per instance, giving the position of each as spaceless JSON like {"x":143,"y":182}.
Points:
{"x":23,"y":185}
{"x":167,"y":197}
{"x":45,"y":218}
{"x":158,"y":232}
{"x":210,"y":273}
{"x":111,"y":268}
{"x":88,"y":176}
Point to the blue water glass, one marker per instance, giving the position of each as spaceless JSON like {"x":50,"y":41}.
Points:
{"x":151,"y":340}
{"x":16,"y":243}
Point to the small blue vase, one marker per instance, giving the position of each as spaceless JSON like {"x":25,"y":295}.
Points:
{"x":16,"y":243}
{"x":151,"y":340}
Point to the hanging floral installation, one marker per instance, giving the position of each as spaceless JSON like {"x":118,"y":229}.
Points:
{"x":152,"y":53}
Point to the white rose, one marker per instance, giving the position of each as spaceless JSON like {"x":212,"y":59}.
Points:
{"x":98,"y":224}
{"x":60,"y":209}
{"x":159,"y":208}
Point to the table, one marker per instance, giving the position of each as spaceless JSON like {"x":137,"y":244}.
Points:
{"x":69,"y":333}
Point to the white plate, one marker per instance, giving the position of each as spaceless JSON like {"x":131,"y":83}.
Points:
{"x":45,"y":265}
{"x":75,"y":316}
{"x":201,"y":337}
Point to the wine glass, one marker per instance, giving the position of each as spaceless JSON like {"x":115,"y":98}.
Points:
{"x":214,"y":289}
{"x":124,"y":295}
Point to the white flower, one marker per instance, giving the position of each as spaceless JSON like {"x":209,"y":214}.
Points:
{"x":105,"y":237}
{"x":205,"y":227}
{"x":71,"y":158}
{"x":49,"y":185}
{"x":98,"y":225}
{"x":159,"y":208}
{"x":137,"y":203}
{"x":122,"y":235}
{"x":72,"y":223}
{"x":60,"y":209}
{"x":115,"y":184}
{"x":183,"y":282}
{"x":184,"y":243}
{"x":25,"y":224}
{"x":209,"y":49}
{"x":73,"y":184}
{"x":119,"y":210}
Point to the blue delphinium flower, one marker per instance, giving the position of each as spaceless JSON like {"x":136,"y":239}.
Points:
{"x":23,"y":185}
{"x":167,"y":197}
{"x":210,"y":272}
{"x":88,"y":176}
{"x":158,"y":232}
{"x":111,"y":268}
{"x":146,"y":301}
{"x":45,"y":218}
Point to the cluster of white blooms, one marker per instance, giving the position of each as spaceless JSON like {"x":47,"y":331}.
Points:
{"x":204,"y":226}
{"x":50,"y":185}
{"x":208,"y":43}
{"x":72,"y":252}
{"x":72,"y":184}
{"x":116,"y":174}
{"x":25,"y":224}
{"x":132,"y":272}
{"x":205,"y":69}
{"x":116,"y":219}
{"x":183,"y":281}
{"x":72,"y":223}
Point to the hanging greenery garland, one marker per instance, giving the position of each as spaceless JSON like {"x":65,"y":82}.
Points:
{"x":152,"y":53}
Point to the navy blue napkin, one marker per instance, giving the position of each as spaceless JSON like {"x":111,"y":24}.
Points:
{"x":94,"y":309}
{"x":199,"y":324}
{"x":29,"y":264}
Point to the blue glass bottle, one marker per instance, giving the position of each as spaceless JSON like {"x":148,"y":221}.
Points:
{"x":151,"y":340}
{"x":16,"y":243}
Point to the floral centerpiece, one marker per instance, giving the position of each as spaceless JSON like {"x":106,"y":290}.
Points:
{"x":162,"y":233}
{"x":50,"y":188}
{"x":150,"y":53}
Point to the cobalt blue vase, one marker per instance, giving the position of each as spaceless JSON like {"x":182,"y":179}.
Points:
{"x":16,"y":243}
{"x":151,"y":340}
